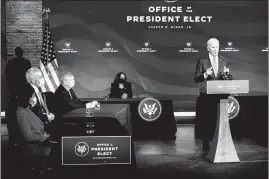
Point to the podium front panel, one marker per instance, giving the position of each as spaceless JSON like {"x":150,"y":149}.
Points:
{"x":227,"y":86}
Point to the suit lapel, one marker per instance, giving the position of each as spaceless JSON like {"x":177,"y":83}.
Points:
{"x":67,"y":93}
{"x":73,"y":94}
{"x":38,"y":107}
{"x":44,"y":99}
{"x":38,"y":100}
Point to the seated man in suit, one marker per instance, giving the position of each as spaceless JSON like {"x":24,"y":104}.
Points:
{"x":121,"y":88}
{"x":210,"y":67}
{"x":36,"y":80}
{"x":65,"y":97}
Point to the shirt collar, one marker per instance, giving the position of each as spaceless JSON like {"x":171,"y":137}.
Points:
{"x":211,"y":57}
{"x":66,"y":88}
{"x":35,"y":88}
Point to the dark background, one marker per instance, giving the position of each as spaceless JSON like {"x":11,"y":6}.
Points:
{"x":89,"y":24}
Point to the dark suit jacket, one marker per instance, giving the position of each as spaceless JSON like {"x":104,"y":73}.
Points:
{"x":207,"y":105}
{"x":38,"y":109}
{"x":64,"y":103}
{"x":116,"y":92}
{"x":32,"y":128}
{"x":203,"y":64}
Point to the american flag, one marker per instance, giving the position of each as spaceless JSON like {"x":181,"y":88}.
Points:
{"x":48,"y":61}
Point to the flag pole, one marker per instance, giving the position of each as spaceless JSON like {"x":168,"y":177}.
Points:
{"x":47,"y":11}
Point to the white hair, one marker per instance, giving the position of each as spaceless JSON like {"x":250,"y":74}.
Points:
{"x":31,"y":74}
{"x":66,"y":75}
{"x":212,"y":40}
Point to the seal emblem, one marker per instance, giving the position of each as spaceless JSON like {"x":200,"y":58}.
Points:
{"x":233,"y":107}
{"x":81,"y":149}
{"x":150,"y":109}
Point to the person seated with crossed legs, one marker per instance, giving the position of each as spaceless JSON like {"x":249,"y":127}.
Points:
{"x":31,"y":130}
{"x":36,"y":80}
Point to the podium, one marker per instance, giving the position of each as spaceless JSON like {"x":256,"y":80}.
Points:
{"x":222,"y":148}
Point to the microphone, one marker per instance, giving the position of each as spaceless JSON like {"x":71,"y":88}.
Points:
{"x":226,"y":76}
{"x":106,"y":96}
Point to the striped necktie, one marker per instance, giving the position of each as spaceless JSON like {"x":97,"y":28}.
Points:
{"x":70,"y":94}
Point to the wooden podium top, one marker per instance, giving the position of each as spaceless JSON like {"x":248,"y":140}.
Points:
{"x":224,"y":86}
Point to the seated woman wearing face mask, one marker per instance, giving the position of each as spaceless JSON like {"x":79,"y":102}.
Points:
{"x":31,"y":127}
{"x":121,"y":88}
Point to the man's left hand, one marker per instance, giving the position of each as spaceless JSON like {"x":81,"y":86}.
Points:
{"x":50,"y":117}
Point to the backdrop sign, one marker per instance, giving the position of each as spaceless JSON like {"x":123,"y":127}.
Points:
{"x":168,"y":16}
{"x":130,"y":37}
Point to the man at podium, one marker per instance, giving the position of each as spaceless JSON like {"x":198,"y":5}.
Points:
{"x":210,"y":67}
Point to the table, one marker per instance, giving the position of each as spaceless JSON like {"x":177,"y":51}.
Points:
{"x":110,"y":120}
{"x":162,"y":128}
{"x":117,"y":111}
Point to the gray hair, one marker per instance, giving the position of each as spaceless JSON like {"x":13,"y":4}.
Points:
{"x":65,"y":75}
{"x":32,"y":73}
{"x":210,"y":41}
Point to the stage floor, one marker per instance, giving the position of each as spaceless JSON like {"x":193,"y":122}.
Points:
{"x":182,"y":159}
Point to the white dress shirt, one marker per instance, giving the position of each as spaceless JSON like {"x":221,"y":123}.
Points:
{"x":212,"y":60}
{"x":38,"y":94}
{"x":39,"y":97}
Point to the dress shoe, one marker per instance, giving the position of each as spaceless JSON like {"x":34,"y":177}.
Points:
{"x":52,"y":142}
{"x":45,"y":171}
{"x":47,"y":167}
{"x":205,"y":152}
{"x":205,"y":147}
